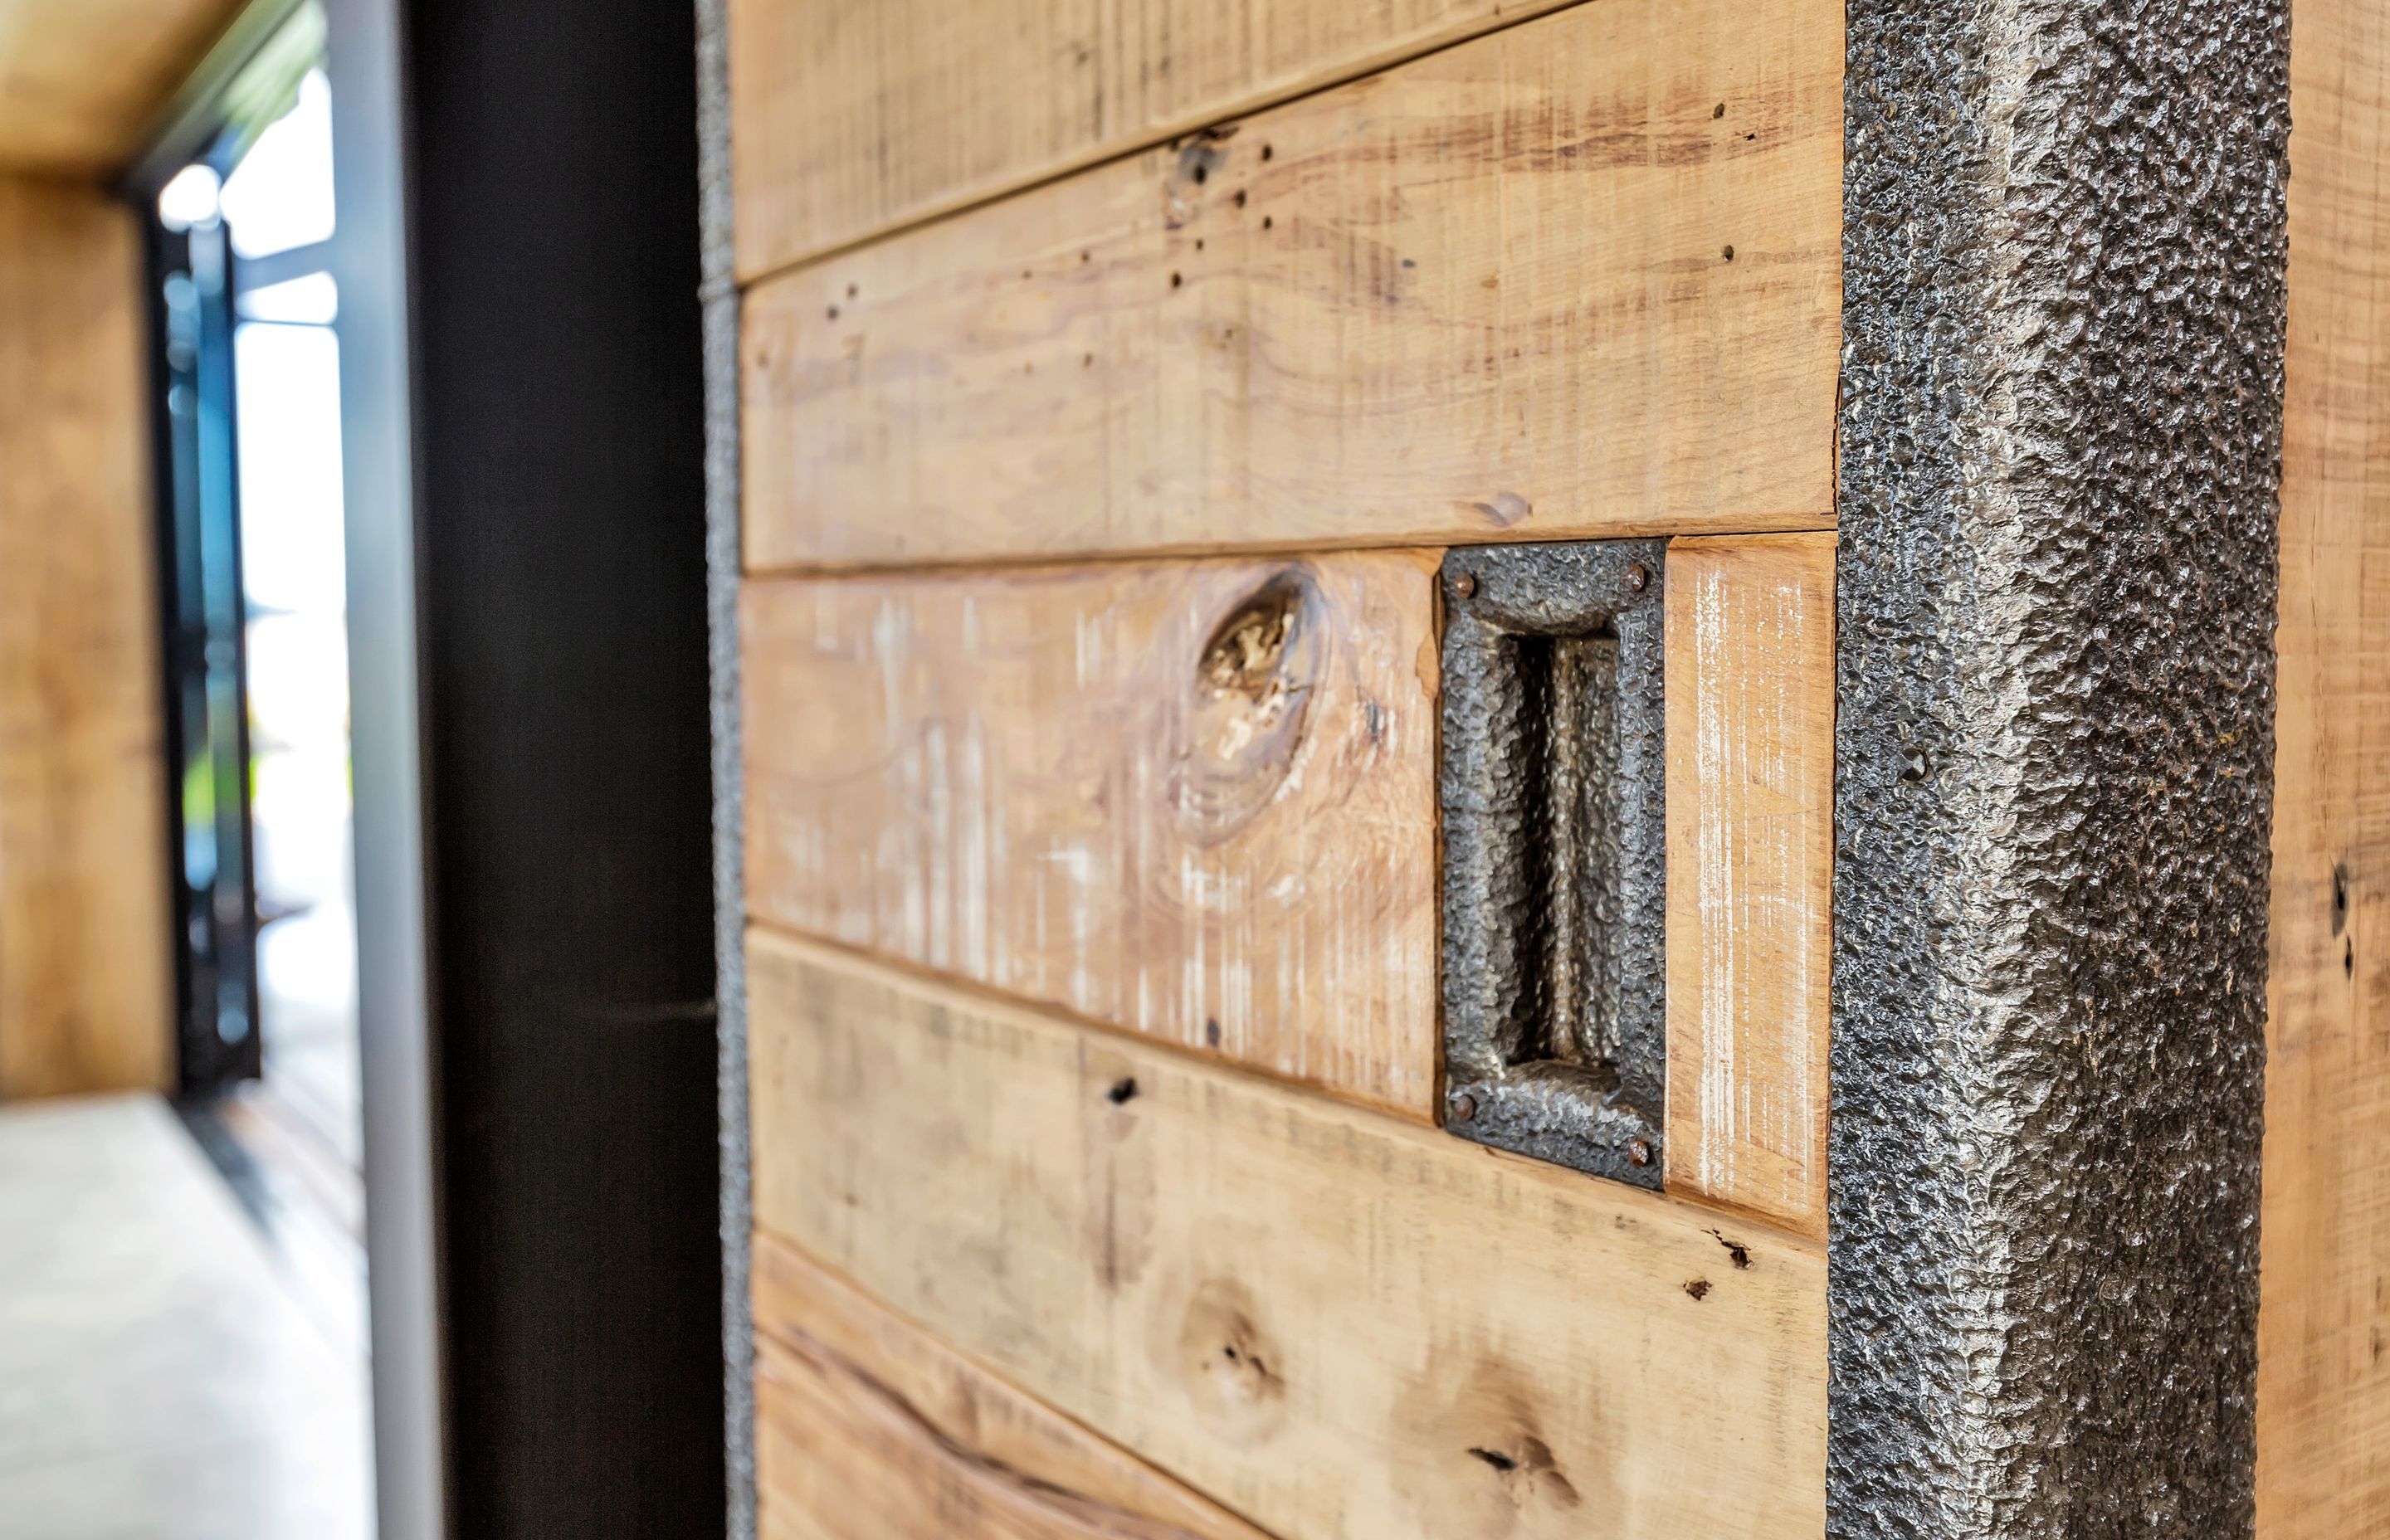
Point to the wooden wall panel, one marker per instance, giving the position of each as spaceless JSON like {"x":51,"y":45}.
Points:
{"x":1095,"y":787}
{"x":84,"y":986}
{"x":81,"y":81}
{"x":849,"y":116}
{"x":1577,"y":278}
{"x":1191,"y":800}
{"x":1341,"y":1326}
{"x":1750,"y":858}
{"x":2323,"y":1333}
{"x":868,"y":1428}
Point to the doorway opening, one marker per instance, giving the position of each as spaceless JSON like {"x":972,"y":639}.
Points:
{"x":246,"y":315}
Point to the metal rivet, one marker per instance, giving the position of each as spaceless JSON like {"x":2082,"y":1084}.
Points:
{"x":1639,"y":577}
{"x":1464,"y":1107}
{"x":1638,"y":1151}
{"x":1465,"y":585}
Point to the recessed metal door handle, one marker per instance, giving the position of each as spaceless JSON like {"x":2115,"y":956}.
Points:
{"x":1555,"y":862}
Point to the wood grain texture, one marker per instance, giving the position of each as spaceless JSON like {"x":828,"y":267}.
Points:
{"x":1750,"y":858}
{"x":1341,"y":1326}
{"x":84,"y":990}
{"x":852,"y":116}
{"x":81,"y":81}
{"x":2323,"y":1332}
{"x":872,"y":1430}
{"x":1195,"y":801}
{"x":1577,"y":277}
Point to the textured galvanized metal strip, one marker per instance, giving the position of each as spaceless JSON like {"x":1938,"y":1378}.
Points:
{"x":1553,"y":787}
{"x":722,"y":566}
{"x":2060,"y":450}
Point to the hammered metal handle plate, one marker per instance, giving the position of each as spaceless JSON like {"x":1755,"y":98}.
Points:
{"x":1552,"y":786}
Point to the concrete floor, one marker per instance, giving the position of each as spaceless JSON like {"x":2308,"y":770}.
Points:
{"x":159,"y":1379}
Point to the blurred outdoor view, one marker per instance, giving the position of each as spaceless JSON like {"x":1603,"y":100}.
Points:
{"x":285,"y":364}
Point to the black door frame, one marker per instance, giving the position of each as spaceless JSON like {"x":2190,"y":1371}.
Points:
{"x":557,"y":352}
{"x":203,"y":639}
{"x":521,"y":374}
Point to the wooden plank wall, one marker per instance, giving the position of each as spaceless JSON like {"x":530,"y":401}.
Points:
{"x":2323,"y":1333}
{"x":1186,"y":799}
{"x":870,"y":1427}
{"x":854,"y":117}
{"x":1113,"y":379}
{"x":85,"y":988}
{"x":1579,"y":278}
{"x":1335,"y":1324}
{"x":1179,"y":798}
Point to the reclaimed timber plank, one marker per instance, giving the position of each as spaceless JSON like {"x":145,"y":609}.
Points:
{"x":2323,"y":1327}
{"x":1195,"y":801}
{"x":1339,"y":1324}
{"x":872,"y":1430}
{"x":852,"y":116}
{"x":1750,"y":858}
{"x":1577,"y":277}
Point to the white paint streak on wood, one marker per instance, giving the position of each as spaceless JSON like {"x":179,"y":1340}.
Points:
{"x":1021,"y":778}
{"x":1712,"y":879}
{"x":1751,"y":720}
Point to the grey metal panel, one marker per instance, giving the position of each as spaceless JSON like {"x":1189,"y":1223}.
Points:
{"x":2060,"y":447}
{"x":368,"y":254}
{"x":721,"y":546}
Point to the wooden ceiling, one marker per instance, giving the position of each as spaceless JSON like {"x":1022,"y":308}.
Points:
{"x":82,"y":81}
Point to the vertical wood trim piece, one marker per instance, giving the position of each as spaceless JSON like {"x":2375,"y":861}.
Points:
{"x":1751,"y":746}
{"x":854,"y":115}
{"x":1195,"y":800}
{"x":872,"y":1428}
{"x":2323,"y":1327}
{"x":85,"y":983}
{"x":1576,"y":278}
{"x":1344,"y":1326}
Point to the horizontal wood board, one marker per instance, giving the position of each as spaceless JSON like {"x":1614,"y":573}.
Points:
{"x":1579,"y":276}
{"x":852,"y":116}
{"x":1338,"y":1325}
{"x":1195,"y":801}
{"x":870,"y":1428}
